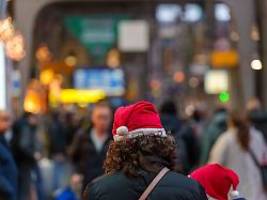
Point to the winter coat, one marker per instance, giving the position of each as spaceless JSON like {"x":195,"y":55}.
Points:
{"x":8,"y":173}
{"x":118,"y":186}
{"x":86,"y":159}
{"x":187,"y":143}
{"x":24,"y":143}
{"x":259,"y":120}
{"x":216,"y":127}
{"x":228,"y":152}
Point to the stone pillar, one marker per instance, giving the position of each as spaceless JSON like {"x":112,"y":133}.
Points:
{"x":26,"y":12}
{"x":264,"y":43}
{"x":244,"y":17}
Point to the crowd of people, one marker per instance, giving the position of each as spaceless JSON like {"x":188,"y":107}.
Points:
{"x":55,"y":156}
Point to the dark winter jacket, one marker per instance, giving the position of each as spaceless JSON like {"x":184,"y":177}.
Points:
{"x":86,"y":159}
{"x":173,"y":186}
{"x":24,"y":143}
{"x":217,"y":126}
{"x":8,"y":172}
{"x":258,"y":119}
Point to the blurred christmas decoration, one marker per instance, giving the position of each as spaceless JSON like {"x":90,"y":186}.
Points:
{"x":113,"y":58}
{"x":43,"y":54}
{"x":179,"y":77}
{"x":46,"y":76}
{"x":35,"y":98}
{"x":13,"y":40}
{"x":15,"y":47}
{"x":7,"y":29}
{"x":70,"y":60}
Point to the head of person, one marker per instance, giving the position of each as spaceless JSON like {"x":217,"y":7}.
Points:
{"x":219,"y":183}
{"x":140,"y":141}
{"x":253,"y":104}
{"x":101,"y":117}
{"x":31,"y":118}
{"x":169,"y":108}
{"x":5,"y":122}
{"x":239,"y":122}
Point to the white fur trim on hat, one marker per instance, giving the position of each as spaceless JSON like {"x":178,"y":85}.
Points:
{"x":234,"y":194}
{"x":122,"y":130}
{"x":122,"y":134}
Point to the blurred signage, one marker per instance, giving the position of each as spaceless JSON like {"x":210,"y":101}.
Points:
{"x":109,"y":80}
{"x":198,"y":69}
{"x":133,"y":36}
{"x":70,"y":96}
{"x":16,"y":83}
{"x":224,"y":59}
{"x":216,"y":81}
{"x":97,"y":33}
{"x":3,"y":91}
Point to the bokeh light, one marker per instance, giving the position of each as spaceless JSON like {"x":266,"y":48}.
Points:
{"x":256,"y":64}
{"x":224,"y":97}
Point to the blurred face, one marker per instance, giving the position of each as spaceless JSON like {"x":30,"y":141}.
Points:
{"x":5,"y":122}
{"x":33,"y":120}
{"x":101,"y":118}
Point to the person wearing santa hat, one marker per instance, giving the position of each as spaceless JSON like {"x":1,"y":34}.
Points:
{"x":140,"y":162}
{"x":219,"y":182}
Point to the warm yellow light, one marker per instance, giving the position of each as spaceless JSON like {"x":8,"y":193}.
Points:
{"x":7,"y":29}
{"x":256,"y":64}
{"x":32,"y":103}
{"x":43,"y":54}
{"x":255,"y":33}
{"x":71,"y":60}
{"x":81,"y":96}
{"x":113,"y":58}
{"x":178,"y":77}
{"x":46,"y":76}
{"x":224,"y":59}
{"x":15,"y":47}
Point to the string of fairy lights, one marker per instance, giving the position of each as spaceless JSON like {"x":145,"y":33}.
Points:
{"x":12,"y":39}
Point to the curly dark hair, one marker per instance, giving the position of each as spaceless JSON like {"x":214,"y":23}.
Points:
{"x":149,"y":153}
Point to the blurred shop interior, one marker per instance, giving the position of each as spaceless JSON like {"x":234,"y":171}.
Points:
{"x":86,"y":51}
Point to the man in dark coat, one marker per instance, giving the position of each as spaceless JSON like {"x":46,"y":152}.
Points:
{"x":90,"y":145}
{"x":141,"y":149}
{"x":26,"y":150}
{"x":257,"y":116}
{"x":8,"y":169}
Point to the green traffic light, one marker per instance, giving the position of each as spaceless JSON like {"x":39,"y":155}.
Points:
{"x":224,"y":97}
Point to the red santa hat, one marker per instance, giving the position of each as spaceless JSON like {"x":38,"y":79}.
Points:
{"x":217,"y":181}
{"x":139,"y":119}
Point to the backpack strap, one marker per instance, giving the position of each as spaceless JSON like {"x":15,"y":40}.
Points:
{"x":154,"y":183}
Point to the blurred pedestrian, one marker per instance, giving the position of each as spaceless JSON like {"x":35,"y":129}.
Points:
{"x":90,"y":145}
{"x":58,"y":150}
{"x":171,"y":122}
{"x":219,"y":182}
{"x":233,"y":149}
{"x":26,"y":150}
{"x":212,"y":132}
{"x":184,"y":134}
{"x":8,"y":169}
{"x":257,"y":116}
{"x":70,"y":192}
{"x":142,"y":153}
